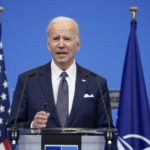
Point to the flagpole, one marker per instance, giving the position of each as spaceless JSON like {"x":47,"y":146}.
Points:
{"x":133,"y":10}
{"x":4,"y":143}
{"x":1,"y":9}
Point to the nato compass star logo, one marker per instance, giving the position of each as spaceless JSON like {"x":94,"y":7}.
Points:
{"x":123,"y":143}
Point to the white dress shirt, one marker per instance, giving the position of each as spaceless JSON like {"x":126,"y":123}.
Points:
{"x":71,"y":79}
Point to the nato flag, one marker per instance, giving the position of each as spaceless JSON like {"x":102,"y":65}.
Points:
{"x":133,"y":122}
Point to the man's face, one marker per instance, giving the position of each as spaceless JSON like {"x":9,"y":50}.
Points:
{"x":63,"y":43}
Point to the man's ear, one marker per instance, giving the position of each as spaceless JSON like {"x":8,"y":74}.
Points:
{"x":78,"y":44}
{"x":48,"y":44}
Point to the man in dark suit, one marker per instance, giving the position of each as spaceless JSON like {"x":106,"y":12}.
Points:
{"x":88,"y":104}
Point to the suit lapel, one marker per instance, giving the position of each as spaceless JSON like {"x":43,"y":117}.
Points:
{"x":47,"y":90}
{"x":80,"y":90}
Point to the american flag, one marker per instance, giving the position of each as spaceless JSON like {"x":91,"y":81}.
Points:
{"x":4,"y":101}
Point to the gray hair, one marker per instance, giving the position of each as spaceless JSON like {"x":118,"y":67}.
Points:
{"x":64,"y":19}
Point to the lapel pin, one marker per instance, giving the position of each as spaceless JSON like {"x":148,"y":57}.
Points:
{"x":83,"y":80}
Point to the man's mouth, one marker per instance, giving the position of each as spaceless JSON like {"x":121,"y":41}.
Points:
{"x":61,"y":53}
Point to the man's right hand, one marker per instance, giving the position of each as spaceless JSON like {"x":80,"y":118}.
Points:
{"x":40,"y":119}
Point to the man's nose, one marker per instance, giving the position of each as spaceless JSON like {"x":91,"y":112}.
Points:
{"x":61,"y":43}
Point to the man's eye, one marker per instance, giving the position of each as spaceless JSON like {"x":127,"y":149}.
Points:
{"x":56,"y":38}
{"x":67,"y":39}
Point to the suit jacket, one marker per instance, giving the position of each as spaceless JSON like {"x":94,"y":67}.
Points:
{"x":87,"y":110}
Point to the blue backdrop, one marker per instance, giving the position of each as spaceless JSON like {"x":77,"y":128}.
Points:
{"x":104,"y":26}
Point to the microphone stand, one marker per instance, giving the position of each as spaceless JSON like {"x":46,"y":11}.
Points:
{"x":14,"y":136}
{"x":14,"y":131}
{"x":109,"y":134}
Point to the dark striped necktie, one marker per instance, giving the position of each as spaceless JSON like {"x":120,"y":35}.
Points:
{"x":62,"y":100}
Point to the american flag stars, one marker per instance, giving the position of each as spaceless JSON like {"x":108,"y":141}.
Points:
{"x":1,"y":46}
{"x":1,"y":121}
{"x":5,"y":84}
{"x":2,"y":108}
{"x":9,"y":110}
{"x":1,"y":57}
{"x":4,"y":96}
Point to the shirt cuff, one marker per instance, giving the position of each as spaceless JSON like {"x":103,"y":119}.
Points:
{"x":31,"y":126}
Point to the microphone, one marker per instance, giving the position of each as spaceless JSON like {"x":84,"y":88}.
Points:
{"x":45,"y":106}
{"x":14,"y":131}
{"x":109,"y":134}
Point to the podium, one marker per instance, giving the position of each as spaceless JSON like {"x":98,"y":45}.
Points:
{"x":61,"y":139}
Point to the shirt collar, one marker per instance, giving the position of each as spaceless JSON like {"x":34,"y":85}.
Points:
{"x":56,"y":71}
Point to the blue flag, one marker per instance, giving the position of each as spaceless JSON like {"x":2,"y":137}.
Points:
{"x":4,"y":101}
{"x":133,"y":122}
